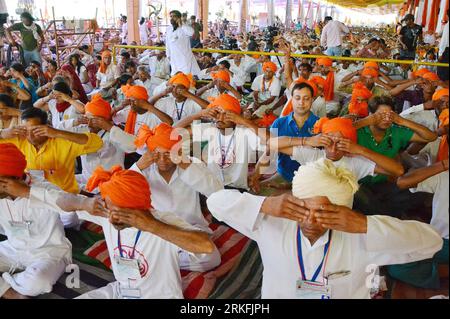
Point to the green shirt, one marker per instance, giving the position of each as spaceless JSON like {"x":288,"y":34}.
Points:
{"x":29,"y":43}
{"x":395,"y":140}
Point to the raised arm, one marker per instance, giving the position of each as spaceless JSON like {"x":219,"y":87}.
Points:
{"x":421,"y":133}
{"x":415,"y":177}
{"x":152,"y":109}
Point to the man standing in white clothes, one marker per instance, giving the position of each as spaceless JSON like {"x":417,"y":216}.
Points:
{"x":331,"y":37}
{"x":178,"y":45}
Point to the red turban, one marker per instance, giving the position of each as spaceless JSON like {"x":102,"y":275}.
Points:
{"x":99,"y":107}
{"x":182,"y":79}
{"x":431,"y":76}
{"x":269,"y":66}
{"x":126,"y":189}
{"x":370,"y":72}
{"x":221,"y":75}
{"x":339,"y":124}
{"x":226,"y":102}
{"x":359,"y":108}
{"x":439,"y":94}
{"x":12,"y":161}
{"x":160,"y":136}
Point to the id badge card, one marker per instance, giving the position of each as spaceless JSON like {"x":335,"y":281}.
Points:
{"x":312,"y":290}
{"x":130,"y":293}
{"x":20,"y":229}
{"x":127,"y":269}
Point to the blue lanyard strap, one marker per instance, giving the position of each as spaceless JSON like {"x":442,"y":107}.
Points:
{"x":119,"y":244}
{"x":300,"y":256}
{"x":180,"y":113}
{"x":224,"y":156}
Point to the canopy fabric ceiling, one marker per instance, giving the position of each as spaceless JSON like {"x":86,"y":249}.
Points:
{"x":364,"y":3}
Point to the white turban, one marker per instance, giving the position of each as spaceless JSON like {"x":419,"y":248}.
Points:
{"x":323,"y":178}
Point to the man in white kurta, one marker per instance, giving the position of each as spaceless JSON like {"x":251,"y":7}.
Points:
{"x":178,"y":46}
{"x":353,"y":255}
{"x":145,"y":265}
{"x":36,"y":251}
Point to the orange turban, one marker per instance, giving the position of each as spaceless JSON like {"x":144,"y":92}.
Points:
{"x":103,"y":66}
{"x":160,"y":136}
{"x":420,"y":73}
{"x":431,"y":76}
{"x":126,"y":189}
{"x":289,"y":107}
{"x":227,"y":102}
{"x":99,"y":107}
{"x":443,"y":146}
{"x":135,"y":92}
{"x":269,"y":66}
{"x":12,"y":161}
{"x":324,"y":61}
{"x":221,"y":75}
{"x":339,"y":124}
{"x":318,"y":80}
{"x":369,"y":72}
{"x":439,"y":94}
{"x":371,"y":64}
{"x":359,"y":108}
{"x":267,"y":120}
{"x":182,"y":79}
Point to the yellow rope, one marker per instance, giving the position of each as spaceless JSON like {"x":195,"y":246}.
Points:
{"x":307,"y":56}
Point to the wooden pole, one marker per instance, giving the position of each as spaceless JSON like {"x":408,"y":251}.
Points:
{"x":56,"y":37}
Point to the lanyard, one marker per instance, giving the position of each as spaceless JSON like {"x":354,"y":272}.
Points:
{"x":224,"y":156}
{"x":119,"y":244}
{"x":263,"y":85}
{"x":300,"y":256}
{"x":180,"y":112}
{"x":10,"y":213}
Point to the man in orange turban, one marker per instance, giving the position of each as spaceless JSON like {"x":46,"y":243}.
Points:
{"x":219,"y":85}
{"x":98,"y":107}
{"x":359,"y":103}
{"x":162,"y":136}
{"x":32,"y":229}
{"x":371,"y":65}
{"x":431,"y":76}
{"x":420,"y":72}
{"x":325,"y":67}
{"x":266,"y":90}
{"x":441,"y":96}
{"x":144,"y":244}
{"x":177,"y":100}
{"x":227,"y":103}
{"x":107,"y":76}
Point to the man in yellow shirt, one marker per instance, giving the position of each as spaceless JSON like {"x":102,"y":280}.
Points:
{"x":50,"y":150}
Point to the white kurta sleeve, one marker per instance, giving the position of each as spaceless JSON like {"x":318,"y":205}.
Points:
{"x":201,"y":179}
{"x":413,"y":109}
{"x":188,"y":31}
{"x":122,"y":140}
{"x":393,"y":241}
{"x":239,"y":210}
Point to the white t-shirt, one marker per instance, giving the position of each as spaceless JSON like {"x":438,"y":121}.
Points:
{"x":437,"y":185}
{"x":358,"y":165}
{"x":107,"y":79}
{"x":181,"y":195}
{"x":177,"y":111}
{"x":270,"y":89}
{"x":228,"y":156}
{"x":58,"y":118}
{"x":421,"y":116}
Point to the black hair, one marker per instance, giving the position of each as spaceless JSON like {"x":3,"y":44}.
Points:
{"x":130,"y":64}
{"x":141,"y":22}
{"x":36,"y":62}
{"x":125,"y":55}
{"x":226,"y":64}
{"x":63,"y":87}
{"x":347,"y":53}
{"x":53,"y":62}
{"x":124,"y":78}
{"x":307,"y":66}
{"x":27,"y":15}
{"x":34,"y":113}
{"x":373,"y":40}
{"x":79,"y":63}
{"x":328,"y":18}
{"x":84,"y":47}
{"x":7,"y":100}
{"x":193,"y":17}
{"x":176,"y":13}
{"x":18,"y":67}
{"x":376,"y":101}
{"x":303,"y":85}
{"x":208,"y":54}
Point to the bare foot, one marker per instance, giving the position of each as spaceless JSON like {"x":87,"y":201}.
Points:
{"x":12,"y":294}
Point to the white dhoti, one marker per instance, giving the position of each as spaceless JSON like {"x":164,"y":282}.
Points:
{"x":36,"y":276}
